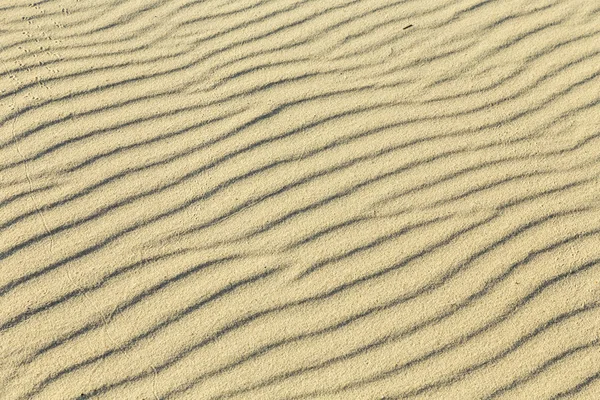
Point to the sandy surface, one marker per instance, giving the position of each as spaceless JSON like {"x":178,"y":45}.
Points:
{"x":311,"y":199}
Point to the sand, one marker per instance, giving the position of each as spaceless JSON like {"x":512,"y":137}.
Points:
{"x":280,"y":199}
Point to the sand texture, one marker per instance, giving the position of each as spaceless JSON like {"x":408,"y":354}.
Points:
{"x":299,"y":199}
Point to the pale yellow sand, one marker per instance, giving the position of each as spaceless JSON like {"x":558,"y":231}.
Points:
{"x":279,"y":199}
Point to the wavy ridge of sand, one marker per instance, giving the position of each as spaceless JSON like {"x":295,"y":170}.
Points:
{"x":306,"y":199}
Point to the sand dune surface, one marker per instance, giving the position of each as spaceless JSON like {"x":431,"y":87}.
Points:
{"x":299,"y":199}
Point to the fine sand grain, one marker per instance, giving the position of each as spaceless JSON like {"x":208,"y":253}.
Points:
{"x":299,"y":199}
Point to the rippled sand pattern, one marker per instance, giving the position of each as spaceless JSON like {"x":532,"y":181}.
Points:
{"x":279,"y":199}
